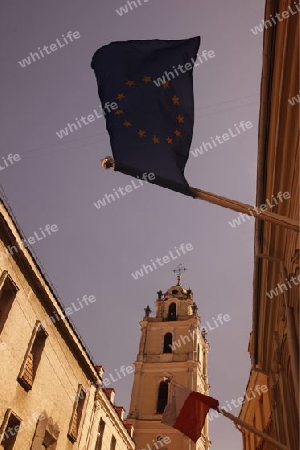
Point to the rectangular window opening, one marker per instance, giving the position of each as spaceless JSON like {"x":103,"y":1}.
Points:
{"x":49,"y":441}
{"x":100,"y":435}
{"x":9,"y":430}
{"x":33,"y":357}
{"x":113,"y":443}
{"x":77,"y":414}
{"x":46,"y":434}
{"x":8,"y":292}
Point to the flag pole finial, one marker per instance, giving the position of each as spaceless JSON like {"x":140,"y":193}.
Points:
{"x":178,"y":271}
{"x":108,"y":163}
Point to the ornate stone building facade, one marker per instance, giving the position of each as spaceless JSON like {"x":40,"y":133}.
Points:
{"x":274,"y":343}
{"x":50,"y":390}
{"x":172,"y":350}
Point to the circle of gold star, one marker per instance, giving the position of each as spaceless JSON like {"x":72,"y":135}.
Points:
{"x":142,"y":133}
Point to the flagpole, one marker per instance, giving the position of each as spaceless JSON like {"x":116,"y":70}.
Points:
{"x":259,"y":433}
{"x":244,"y":208}
{"x":277,"y":219}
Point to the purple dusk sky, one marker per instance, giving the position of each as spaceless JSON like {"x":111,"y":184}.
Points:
{"x":57,"y":181}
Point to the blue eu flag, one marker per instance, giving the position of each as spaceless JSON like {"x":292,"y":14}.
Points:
{"x":146,"y":89}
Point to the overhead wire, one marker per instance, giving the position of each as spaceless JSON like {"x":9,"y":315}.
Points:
{"x":74,"y":144}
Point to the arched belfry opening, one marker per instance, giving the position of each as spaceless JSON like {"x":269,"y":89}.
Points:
{"x":162,"y":398}
{"x":168,"y":340}
{"x":172,"y":312}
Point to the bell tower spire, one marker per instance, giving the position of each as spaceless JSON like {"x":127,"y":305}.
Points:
{"x":172,"y":350}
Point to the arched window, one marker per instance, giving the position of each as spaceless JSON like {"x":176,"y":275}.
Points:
{"x":168,"y":338}
{"x":172,"y":311}
{"x":100,"y":434}
{"x":162,"y":398}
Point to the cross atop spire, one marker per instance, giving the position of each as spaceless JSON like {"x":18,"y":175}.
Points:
{"x":178,"y":271}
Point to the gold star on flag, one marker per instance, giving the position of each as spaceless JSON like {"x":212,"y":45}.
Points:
{"x":177,"y":133}
{"x":130,"y":83}
{"x":169,"y":140}
{"x":175,"y":100}
{"x":120,"y":96}
{"x":180,"y":118}
{"x":155,"y":139}
{"x":127,"y":123}
{"x":147,"y":79}
{"x":142,"y":133}
{"x":119,"y":111}
{"x":165,"y":85}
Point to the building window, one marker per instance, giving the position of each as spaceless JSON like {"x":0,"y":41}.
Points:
{"x":33,"y":357}
{"x":77,"y":414}
{"x":46,"y":434}
{"x":162,"y":398}
{"x":8,"y":292}
{"x":9,"y":430}
{"x":198,"y":353}
{"x":172,"y":312}
{"x":100,"y":435}
{"x":168,"y":339}
{"x":113,"y":443}
{"x":49,"y":441}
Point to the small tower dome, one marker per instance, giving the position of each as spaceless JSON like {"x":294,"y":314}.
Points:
{"x":177,"y":302}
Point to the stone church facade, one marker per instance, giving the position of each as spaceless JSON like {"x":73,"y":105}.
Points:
{"x":172,"y":350}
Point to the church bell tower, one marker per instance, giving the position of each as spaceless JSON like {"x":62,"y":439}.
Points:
{"x":172,"y":350}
